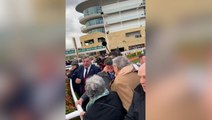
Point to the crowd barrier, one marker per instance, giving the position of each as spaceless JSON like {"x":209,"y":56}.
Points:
{"x":79,"y":108}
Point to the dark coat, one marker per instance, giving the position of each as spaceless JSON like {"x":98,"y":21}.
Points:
{"x":137,"y":108}
{"x":73,"y":76}
{"x":106,"y":108}
{"x":93,"y":70}
{"x":79,"y":74}
{"x":107,"y":78}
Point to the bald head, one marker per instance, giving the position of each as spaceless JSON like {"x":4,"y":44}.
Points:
{"x":142,"y":74}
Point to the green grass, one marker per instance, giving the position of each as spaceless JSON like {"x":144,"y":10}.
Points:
{"x":131,"y":55}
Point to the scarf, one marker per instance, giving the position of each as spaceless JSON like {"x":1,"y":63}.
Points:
{"x":92,"y":100}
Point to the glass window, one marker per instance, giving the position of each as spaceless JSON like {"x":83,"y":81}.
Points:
{"x":101,"y":39}
{"x":94,"y":22}
{"x":89,"y":42}
{"x":97,"y":30}
{"x":92,"y":10}
{"x":135,"y":34}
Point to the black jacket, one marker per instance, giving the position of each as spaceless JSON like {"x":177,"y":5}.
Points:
{"x":79,"y":74}
{"x":73,"y":76}
{"x":93,"y":70}
{"x":107,"y":78}
{"x":137,"y":108}
{"x":106,"y":108}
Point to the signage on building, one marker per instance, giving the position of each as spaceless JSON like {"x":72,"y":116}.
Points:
{"x":69,"y":52}
{"x":85,"y":50}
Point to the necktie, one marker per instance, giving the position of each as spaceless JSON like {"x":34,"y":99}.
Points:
{"x":86,"y":72}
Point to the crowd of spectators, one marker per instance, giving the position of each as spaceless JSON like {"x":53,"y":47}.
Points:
{"x":113,"y":89}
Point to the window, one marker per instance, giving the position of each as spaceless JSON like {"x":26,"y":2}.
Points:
{"x":101,"y":39}
{"x":92,"y":10}
{"x":94,"y":22}
{"x":135,"y":34}
{"x":97,"y":30}
{"x":136,"y":46}
{"x":89,"y":42}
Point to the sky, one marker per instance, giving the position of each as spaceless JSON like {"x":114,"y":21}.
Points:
{"x":72,"y":24}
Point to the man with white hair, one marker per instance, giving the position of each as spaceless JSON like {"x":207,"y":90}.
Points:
{"x":125,"y":84}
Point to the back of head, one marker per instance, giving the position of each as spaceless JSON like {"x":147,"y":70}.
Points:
{"x":120,"y":62}
{"x":95,"y":86}
{"x":108,"y":61}
{"x":74,"y":62}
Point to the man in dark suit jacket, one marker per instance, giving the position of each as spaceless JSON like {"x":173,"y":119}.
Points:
{"x":137,"y":108}
{"x":85,"y":71}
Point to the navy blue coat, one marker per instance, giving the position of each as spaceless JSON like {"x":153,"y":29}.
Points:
{"x":73,"y":76}
{"x":80,"y":71}
{"x":93,"y":70}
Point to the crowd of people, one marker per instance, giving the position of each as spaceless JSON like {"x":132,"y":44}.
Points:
{"x":114,"y":90}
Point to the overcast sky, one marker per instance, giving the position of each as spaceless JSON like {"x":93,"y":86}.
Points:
{"x":72,"y":24}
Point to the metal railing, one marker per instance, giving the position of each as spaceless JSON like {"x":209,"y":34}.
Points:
{"x":79,"y":108}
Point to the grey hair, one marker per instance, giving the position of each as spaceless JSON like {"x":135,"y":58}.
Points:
{"x":94,"y":86}
{"x":120,"y":62}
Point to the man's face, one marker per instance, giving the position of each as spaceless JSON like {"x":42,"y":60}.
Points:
{"x":115,"y":68}
{"x":86,"y":62}
{"x":142,"y":74}
{"x":110,"y":68}
{"x":142,"y":59}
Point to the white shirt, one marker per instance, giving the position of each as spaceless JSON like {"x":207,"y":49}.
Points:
{"x":136,"y":67}
{"x":87,"y":71}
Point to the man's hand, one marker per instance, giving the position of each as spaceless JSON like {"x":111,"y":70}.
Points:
{"x":79,"y":102}
{"x":78,"y":81}
{"x":66,"y":77}
{"x":82,"y":114}
{"x":105,"y":69}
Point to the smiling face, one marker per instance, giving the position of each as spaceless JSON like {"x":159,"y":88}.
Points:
{"x":142,"y":74}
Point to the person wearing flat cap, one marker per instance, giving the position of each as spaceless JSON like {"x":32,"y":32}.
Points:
{"x":72,"y":75}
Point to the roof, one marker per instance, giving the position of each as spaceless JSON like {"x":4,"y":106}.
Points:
{"x":86,"y":4}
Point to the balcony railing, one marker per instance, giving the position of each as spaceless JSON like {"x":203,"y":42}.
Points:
{"x":123,"y":8}
{"x":85,"y":29}
{"x":83,"y":18}
{"x":122,"y":19}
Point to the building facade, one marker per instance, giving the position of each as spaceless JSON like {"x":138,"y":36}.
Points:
{"x":119,"y":22}
{"x":91,"y":20}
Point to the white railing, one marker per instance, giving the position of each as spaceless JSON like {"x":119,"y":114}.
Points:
{"x":125,"y":18}
{"x":110,"y":8}
{"x":79,"y":108}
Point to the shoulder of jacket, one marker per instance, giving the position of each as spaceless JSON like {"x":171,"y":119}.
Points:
{"x":81,"y":66}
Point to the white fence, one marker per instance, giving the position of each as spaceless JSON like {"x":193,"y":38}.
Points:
{"x":79,"y":108}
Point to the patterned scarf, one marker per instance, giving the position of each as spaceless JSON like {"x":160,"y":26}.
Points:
{"x":92,"y":100}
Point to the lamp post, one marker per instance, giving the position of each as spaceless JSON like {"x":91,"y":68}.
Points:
{"x":106,"y":32}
